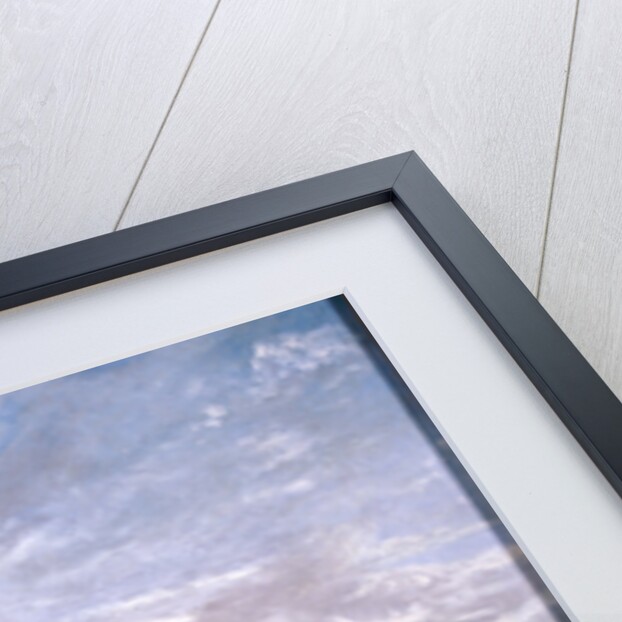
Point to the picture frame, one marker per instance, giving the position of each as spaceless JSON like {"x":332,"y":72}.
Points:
{"x":575,"y":392}
{"x":343,"y":234}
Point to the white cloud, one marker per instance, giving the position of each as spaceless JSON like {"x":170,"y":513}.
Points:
{"x":278,"y":448}
{"x":142,"y":601}
{"x":29,"y":544}
{"x":418,"y":543}
{"x":173,"y":604}
{"x":297,"y":487}
{"x":328,"y":576}
{"x":214,"y":415}
{"x":275,"y":362}
{"x":484,"y":586}
{"x":194,"y":386}
{"x":220,"y":581}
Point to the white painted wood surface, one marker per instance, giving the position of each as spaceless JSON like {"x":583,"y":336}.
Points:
{"x":582,"y":272}
{"x":84,"y":87}
{"x":282,"y":91}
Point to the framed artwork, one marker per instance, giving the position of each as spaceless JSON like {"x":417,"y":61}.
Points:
{"x":328,"y":401}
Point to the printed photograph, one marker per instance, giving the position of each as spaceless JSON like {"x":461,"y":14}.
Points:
{"x":275,"y":471}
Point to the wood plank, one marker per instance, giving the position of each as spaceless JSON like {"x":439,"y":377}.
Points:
{"x":84,"y":87}
{"x":282,"y":91}
{"x":582,"y":275}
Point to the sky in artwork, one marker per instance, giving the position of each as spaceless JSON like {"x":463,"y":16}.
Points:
{"x":270,"y":472}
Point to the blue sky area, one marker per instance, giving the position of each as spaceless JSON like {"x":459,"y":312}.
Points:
{"x":264,"y":473}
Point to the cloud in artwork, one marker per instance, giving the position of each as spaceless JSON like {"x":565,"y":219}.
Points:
{"x":266,"y":473}
{"x":277,"y":449}
{"x":214,"y":415}
{"x":275,"y":362}
{"x":264,"y":495}
{"x":330,"y":577}
{"x":172,"y":603}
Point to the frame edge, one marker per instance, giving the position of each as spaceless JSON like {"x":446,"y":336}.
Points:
{"x":120,"y":253}
{"x":569,"y":384}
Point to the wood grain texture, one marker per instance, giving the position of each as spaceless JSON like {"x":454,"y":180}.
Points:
{"x":282,"y":91}
{"x":582,"y":272}
{"x":84,"y":87}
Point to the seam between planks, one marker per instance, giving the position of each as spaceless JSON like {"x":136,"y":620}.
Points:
{"x":167,"y":115}
{"x":562,"y":115}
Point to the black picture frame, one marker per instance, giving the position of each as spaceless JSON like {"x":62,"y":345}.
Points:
{"x":572,"y":388}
